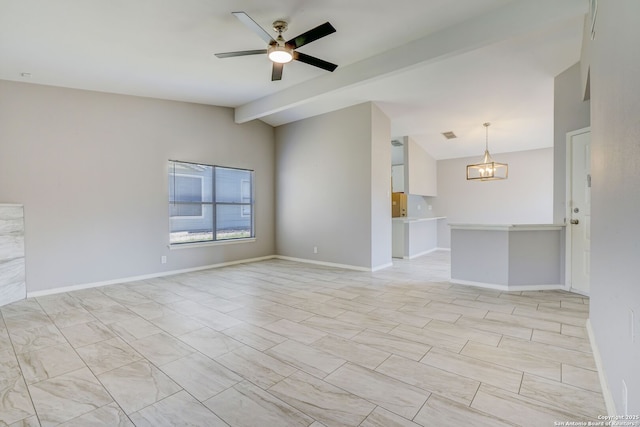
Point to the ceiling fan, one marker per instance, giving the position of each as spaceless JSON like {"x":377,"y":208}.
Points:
{"x":280,"y":51}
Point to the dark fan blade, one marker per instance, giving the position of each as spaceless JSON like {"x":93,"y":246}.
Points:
{"x":253,"y":26}
{"x":276,"y":72}
{"x":312,"y":60}
{"x":241,"y":53}
{"x":311,"y":35}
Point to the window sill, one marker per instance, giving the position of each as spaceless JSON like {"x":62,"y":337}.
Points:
{"x":176,"y":246}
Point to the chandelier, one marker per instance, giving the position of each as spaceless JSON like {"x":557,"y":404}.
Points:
{"x":487,"y":169}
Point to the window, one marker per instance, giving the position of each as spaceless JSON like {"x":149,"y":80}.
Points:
{"x":209,"y":203}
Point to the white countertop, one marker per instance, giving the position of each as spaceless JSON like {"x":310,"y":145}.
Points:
{"x":416,"y":219}
{"x":507,"y":227}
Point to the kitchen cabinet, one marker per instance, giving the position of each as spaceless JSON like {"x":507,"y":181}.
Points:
{"x":398,"y":205}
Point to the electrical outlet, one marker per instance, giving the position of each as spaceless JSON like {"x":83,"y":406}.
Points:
{"x":315,"y":249}
{"x":163,"y":259}
{"x":419,"y":207}
{"x":429,"y":207}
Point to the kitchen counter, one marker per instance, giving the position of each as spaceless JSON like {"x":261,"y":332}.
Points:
{"x":414,"y":236}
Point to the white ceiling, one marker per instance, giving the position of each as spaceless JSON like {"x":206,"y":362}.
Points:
{"x":431,"y":65}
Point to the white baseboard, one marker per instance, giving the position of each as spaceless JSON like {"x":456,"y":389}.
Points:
{"x":141,"y":277}
{"x":606,"y":392}
{"x":420,"y":254}
{"x":507,"y":288}
{"x":331,"y":264}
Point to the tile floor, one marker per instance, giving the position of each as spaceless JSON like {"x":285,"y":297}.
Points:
{"x":278,"y":343}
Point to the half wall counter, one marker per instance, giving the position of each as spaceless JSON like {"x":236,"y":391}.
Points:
{"x":513,"y":257}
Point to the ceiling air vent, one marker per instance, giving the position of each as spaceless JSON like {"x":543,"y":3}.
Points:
{"x":449,"y":135}
{"x":396,"y":143}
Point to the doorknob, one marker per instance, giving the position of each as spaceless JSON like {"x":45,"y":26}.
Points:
{"x":574,"y":221}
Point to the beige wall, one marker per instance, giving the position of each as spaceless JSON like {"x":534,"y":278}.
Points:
{"x":90,"y":169}
{"x":333,"y":188}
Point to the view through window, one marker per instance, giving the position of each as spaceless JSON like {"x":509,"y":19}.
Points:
{"x":209,"y":203}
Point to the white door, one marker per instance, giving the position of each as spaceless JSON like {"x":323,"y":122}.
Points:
{"x":579,"y":215}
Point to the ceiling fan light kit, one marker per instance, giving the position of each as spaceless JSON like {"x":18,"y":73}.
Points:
{"x":487,"y":169}
{"x":280,"y":51}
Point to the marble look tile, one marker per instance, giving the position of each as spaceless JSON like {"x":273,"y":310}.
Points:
{"x":113,"y":314}
{"x":12,"y":277}
{"x":349,"y":305}
{"x":108,"y":415}
{"x":176,"y":410}
{"x":59,"y":303}
{"x":429,"y":378}
{"x":124,"y":296}
{"x":67,"y":396}
{"x":369,"y":320}
{"x":429,"y":337}
{"x":253,"y":316}
{"x":255,"y":366}
{"x":176,"y":324}
{"x":550,"y":352}
{"x":295,"y":331}
{"x":486,"y":372}
{"x":380,"y":417}
{"x":215,"y":320}
{"x":458,"y":309}
{"x":320,"y":308}
{"x":520,"y":360}
{"x":580,"y":377}
{"x":575,"y":331}
{"x":430,"y":313}
{"x":495,"y":326}
{"x":9,"y":367}
{"x":220,"y":304}
{"x":557,"y":315}
{"x":333,"y":326}
{"x":138,"y":385}
{"x":151,"y":310}
{"x":162,"y":348}
{"x":15,"y":402}
{"x":254,"y":336}
{"x":21,"y":308}
{"x":87,"y":333}
{"x":73,"y":317}
{"x":337,"y":293}
{"x":107,"y":355}
{"x":210,"y":342}
{"x":200,"y":376}
{"x":523,"y":321}
{"x":501,"y":307}
{"x":517,"y":409}
{"x":49,"y":362}
{"x":466,"y":333}
{"x":565,"y":396}
{"x":31,"y":421}
{"x":354,"y":352}
{"x":311,"y":360}
{"x":246,"y":405}
{"x":26,"y":340}
{"x":402,"y":317}
{"x":391,"y":394}
{"x":439,"y":411}
{"x":328,"y":404}
{"x":392,"y":344}
{"x":561,"y":340}
{"x":285,"y":312}
{"x":26,"y":321}
{"x":134,"y":329}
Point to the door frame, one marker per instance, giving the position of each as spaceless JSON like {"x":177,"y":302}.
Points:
{"x":567,"y":209}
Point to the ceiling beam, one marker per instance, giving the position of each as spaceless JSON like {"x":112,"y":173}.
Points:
{"x":516,"y":18}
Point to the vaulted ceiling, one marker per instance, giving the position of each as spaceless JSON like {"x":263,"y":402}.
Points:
{"x":431,"y":65}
